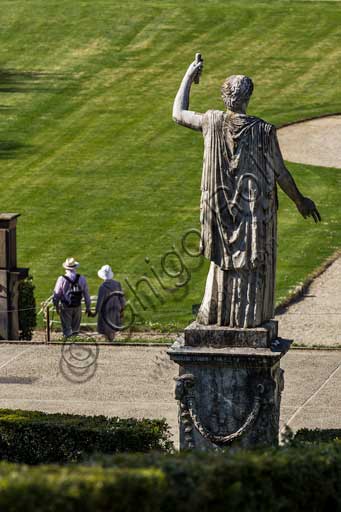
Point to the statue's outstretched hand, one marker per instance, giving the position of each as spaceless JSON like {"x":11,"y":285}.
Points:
{"x":195,"y":69}
{"x":307,"y":208}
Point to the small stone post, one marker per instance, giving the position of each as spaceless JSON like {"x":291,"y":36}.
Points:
{"x":229,"y":385}
{"x":10,"y":276}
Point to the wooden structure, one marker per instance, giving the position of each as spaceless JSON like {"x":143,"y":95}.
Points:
{"x":10,"y":275}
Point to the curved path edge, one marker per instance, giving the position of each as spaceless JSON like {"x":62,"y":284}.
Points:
{"x":313,"y":141}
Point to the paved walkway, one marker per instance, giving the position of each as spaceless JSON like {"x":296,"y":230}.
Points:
{"x":138,"y":382}
{"x":316,"y":318}
{"x":315,"y":142}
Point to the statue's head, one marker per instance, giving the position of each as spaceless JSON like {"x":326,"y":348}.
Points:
{"x":236,"y":92}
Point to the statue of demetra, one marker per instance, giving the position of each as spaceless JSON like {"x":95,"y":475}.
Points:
{"x":238,"y":211}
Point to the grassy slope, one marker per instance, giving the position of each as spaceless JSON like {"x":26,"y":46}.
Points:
{"x":89,"y":153}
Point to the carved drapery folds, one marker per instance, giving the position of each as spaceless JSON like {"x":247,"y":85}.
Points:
{"x":238,"y":219}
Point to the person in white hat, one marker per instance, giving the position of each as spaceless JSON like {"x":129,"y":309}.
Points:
{"x":67,"y":298}
{"x":111,"y":307}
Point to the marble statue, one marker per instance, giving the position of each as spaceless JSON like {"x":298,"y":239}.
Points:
{"x":238,"y":211}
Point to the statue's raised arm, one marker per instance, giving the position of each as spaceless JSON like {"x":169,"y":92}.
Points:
{"x":181,"y":114}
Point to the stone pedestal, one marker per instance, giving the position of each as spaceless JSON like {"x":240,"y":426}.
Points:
{"x":10,"y":277}
{"x":229,"y":386}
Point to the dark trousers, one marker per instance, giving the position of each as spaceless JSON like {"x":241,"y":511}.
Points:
{"x":70,"y":319}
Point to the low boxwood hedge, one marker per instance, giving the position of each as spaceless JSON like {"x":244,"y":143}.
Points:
{"x":81,"y":489}
{"x":317,"y":435}
{"x":295,"y":479}
{"x":33,"y":437}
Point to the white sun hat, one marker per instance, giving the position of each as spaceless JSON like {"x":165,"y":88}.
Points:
{"x":105,"y":272}
{"x":70,"y":264}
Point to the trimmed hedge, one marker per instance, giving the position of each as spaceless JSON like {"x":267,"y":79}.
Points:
{"x":27,"y":308}
{"x":305,"y":479}
{"x":295,"y":479}
{"x":52,"y":489}
{"x":305,"y":435}
{"x":33,"y":437}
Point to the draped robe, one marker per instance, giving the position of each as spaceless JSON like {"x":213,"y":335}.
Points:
{"x":238,"y":214}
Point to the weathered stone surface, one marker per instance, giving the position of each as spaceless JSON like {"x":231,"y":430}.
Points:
{"x":241,"y":357}
{"x":10,"y":276}
{"x":197,"y":335}
{"x":242,"y":166}
{"x":227,"y":396}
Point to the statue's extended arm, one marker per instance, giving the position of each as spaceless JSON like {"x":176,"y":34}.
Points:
{"x":181,"y":114}
{"x":305,"y":206}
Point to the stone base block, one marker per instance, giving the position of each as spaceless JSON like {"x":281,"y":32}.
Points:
{"x":227,"y":396}
{"x":197,"y":335}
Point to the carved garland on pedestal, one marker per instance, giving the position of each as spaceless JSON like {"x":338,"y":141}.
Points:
{"x":188,"y":412}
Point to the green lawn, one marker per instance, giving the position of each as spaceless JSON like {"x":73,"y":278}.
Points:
{"x":91,"y":158}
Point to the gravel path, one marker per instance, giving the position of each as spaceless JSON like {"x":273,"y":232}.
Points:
{"x":315,"y":142}
{"x":138,"y":382}
{"x":316,"y":319}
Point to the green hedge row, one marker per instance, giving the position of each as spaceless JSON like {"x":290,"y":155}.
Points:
{"x":27,"y":308}
{"x":296,"y":479}
{"x":81,"y":489}
{"x":317,"y":435}
{"x":305,"y":479}
{"x":33,"y":437}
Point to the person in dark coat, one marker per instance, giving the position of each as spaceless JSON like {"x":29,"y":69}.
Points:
{"x":114,"y":306}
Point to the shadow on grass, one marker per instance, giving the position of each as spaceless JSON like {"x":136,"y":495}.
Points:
{"x":10,"y":149}
{"x":15,"y":81}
